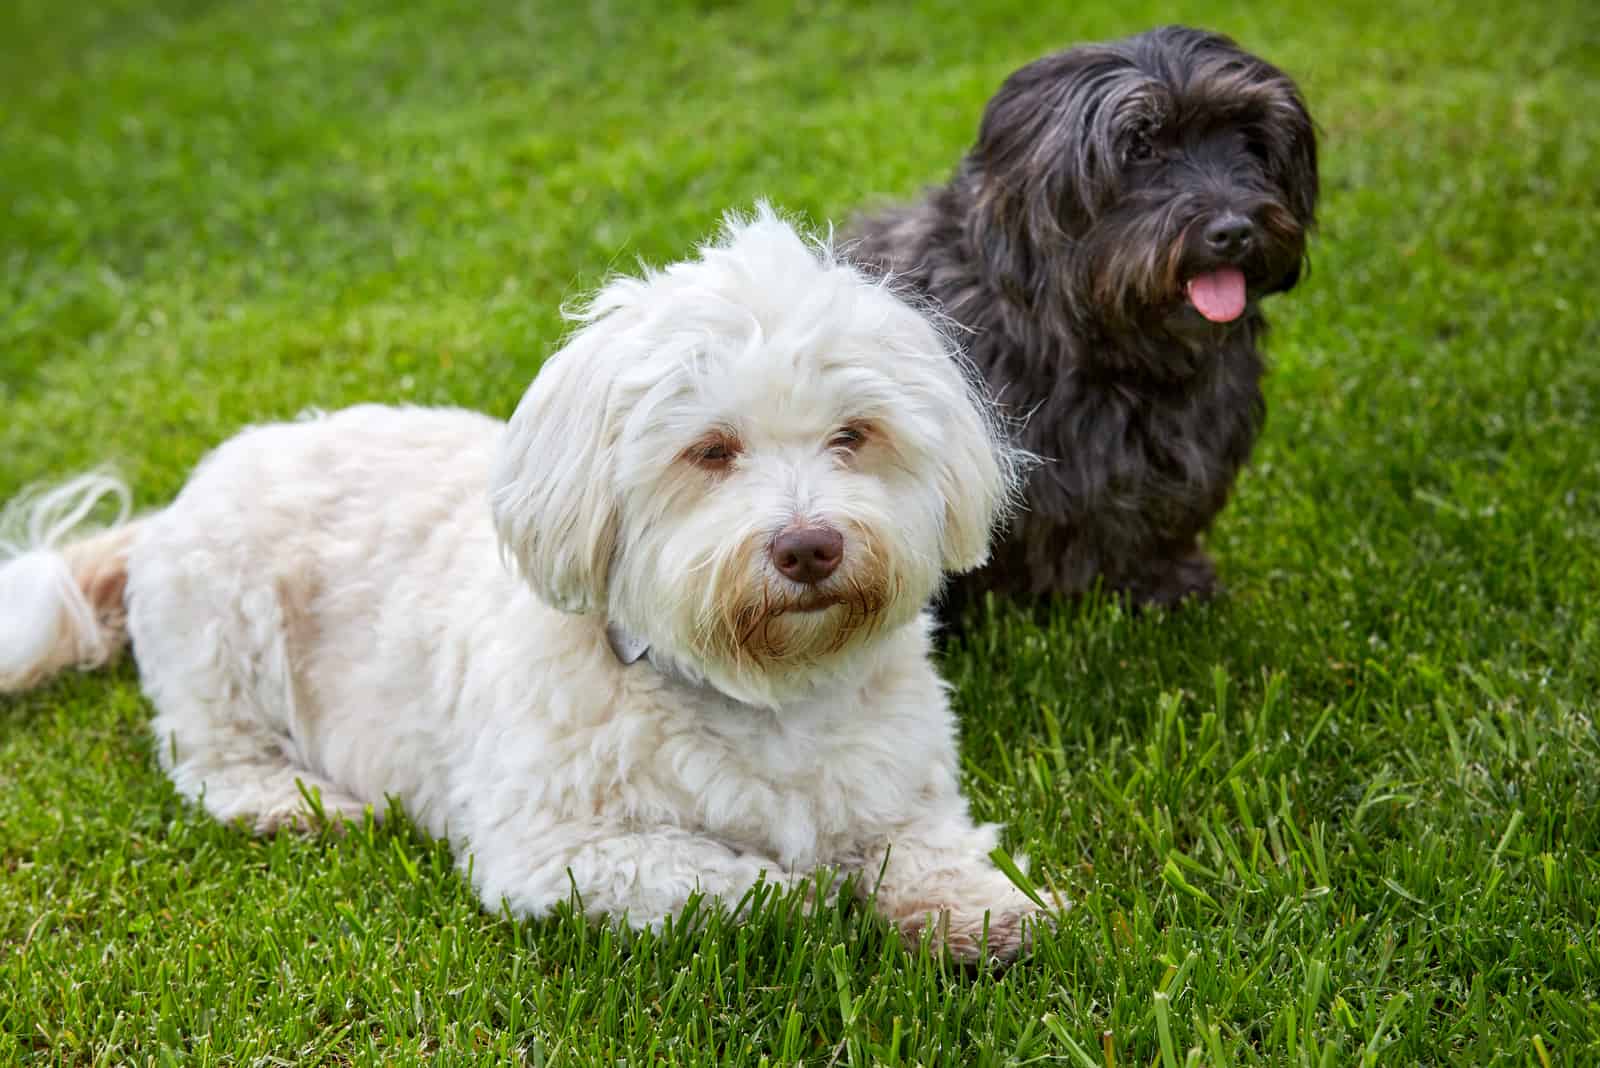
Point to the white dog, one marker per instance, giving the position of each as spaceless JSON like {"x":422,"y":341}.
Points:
{"x":728,"y":500}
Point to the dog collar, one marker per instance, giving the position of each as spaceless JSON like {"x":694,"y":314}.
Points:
{"x":628,"y":648}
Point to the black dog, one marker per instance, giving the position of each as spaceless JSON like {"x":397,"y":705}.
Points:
{"x":1107,"y":242}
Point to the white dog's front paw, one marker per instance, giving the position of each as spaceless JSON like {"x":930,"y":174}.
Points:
{"x":972,"y":932}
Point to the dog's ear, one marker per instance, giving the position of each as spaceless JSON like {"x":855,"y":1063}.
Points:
{"x":978,"y":471}
{"x":551,"y":488}
{"x":999,"y":173}
{"x":976,"y":497}
{"x":997,"y":233}
{"x":1039,"y":169}
{"x":1298,"y":171}
{"x":1292,"y":140}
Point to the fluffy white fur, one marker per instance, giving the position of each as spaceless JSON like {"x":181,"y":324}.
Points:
{"x":326,"y":604}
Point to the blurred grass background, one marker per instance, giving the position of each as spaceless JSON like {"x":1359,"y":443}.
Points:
{"x":1345,"y":814}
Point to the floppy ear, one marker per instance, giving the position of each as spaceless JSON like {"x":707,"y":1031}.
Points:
{"x":1037,"y":170}
{"x":997,"y":232}
{"x":551,"y":489}
{"x":1293,"y":138}
{"x":978,"y":471}
{"x":1293,"y":163}
{"x":972,"y":506}
{"x":1300,"y":168}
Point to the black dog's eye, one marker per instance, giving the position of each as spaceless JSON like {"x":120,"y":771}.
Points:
{"x":1138,"y":150}
{"x":1258,"y":148}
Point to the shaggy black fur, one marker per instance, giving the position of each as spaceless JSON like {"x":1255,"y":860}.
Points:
{"x":1104,"y":178}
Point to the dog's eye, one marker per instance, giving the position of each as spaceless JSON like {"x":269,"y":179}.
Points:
{"x":713,"y":452}
{"x":849,"y":438}
{"x":1138,"y":150}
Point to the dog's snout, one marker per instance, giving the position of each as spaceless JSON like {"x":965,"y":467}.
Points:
{"x":807,"y":554}
{"x":1230,"y":235}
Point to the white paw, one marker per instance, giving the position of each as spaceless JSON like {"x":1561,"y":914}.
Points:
{"x":338,"y":813}
{"x":998,"y":932}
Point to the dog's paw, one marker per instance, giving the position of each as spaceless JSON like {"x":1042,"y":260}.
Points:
{"x":996,"y":934}
{"x":310,"y":813}
{"x":1170,"y":583}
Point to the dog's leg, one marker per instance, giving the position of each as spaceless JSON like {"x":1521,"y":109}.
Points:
{"x":267,"y":796}
{"x":224,"y":752}
{"x":938,"y":875}
{"x":1171,"y":578}
{"x":239,"y":771}
{"x":215,"y":637}
{"x":647,"y":874}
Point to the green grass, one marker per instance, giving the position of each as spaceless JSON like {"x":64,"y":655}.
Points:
{"x":1350,"y":813}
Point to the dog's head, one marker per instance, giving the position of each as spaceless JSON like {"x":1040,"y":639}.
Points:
{"x":755,"y":461}
{"x":1160,"y":182}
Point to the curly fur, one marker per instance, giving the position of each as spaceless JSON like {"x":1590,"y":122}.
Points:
{"x":1064,"y":243}
{"x":323,"y":610}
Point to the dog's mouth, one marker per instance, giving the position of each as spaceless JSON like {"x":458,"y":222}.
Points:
{"x":823,"y":621}
{"x":817,"y":603}
{"x":1219,"y":294}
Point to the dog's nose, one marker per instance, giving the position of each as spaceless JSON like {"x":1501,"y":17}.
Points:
{"x":807,"y":554}
{"x":1230,"y":234}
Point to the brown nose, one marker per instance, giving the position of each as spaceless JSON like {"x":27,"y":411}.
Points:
{"x":807,"y":554}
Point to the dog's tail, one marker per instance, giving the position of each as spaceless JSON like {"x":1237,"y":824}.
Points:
{"x":61,"y":587}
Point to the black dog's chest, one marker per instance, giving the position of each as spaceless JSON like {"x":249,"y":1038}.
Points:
{"x":1126,"y":458}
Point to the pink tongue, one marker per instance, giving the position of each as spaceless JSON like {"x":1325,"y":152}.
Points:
{"x":1219,"y":294}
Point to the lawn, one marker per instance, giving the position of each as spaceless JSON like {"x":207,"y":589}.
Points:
{"x":1350,"y":812}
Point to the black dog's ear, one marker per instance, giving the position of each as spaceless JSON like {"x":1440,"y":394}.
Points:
{"x":1300,"y":178}
{"x":1040,"y":165}
{"x":997,"y":232}
{"x":1293,"y":139}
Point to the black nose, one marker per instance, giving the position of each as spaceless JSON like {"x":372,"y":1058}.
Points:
{"x":807,"y":554}
{"x":1230,"y":235}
